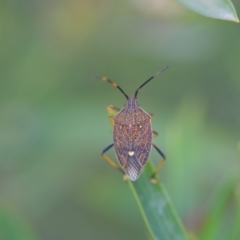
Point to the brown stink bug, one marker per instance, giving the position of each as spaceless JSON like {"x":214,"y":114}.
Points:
{"x":132,"y":135}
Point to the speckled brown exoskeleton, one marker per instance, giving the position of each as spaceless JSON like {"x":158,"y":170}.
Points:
{"x":132,"y":135}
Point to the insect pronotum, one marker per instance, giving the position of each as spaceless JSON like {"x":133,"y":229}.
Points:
{"x":132,"y":135}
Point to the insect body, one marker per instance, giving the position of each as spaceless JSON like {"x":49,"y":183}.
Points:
{"x":132,"y":135}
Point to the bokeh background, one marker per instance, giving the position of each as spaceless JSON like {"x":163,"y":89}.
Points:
{"x":53,"y":120}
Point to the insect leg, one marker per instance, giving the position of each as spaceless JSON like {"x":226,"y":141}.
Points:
{"x":155,"y":133}
{"x":112,"y":110}
{"x":159,"y":166}
{"x":117,"y":109}
{"x":109,"y":160}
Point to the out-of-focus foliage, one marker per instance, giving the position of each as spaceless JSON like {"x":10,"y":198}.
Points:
{"x":53,"y":121}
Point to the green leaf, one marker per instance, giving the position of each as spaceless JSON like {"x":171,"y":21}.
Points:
{"x":220,"y":9}
{"x":156,"y":208}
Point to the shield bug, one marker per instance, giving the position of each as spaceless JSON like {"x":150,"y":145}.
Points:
{"x":132,"y":135}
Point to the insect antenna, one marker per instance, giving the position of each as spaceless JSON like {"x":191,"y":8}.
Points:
{"x":105,"y":79}
{"x":136,"y":93}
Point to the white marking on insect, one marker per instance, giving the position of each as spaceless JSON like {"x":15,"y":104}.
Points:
{"x":131,"y":153}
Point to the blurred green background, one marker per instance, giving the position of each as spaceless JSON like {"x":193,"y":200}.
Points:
{"x":53,"y":120}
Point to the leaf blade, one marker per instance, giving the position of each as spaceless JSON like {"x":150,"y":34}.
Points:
{"x":219,"y":9}
{"x":156,"y":208}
